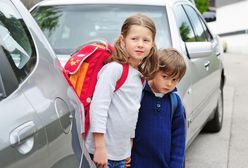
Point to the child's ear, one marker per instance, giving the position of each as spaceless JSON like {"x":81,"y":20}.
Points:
{"x":122,"y":41}
{"x":153,"y":44}
{"x":121,"y":38}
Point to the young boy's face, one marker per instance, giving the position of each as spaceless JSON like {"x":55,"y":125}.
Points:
{"x":163,"y":83}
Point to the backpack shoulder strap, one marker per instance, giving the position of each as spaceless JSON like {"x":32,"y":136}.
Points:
{"x":123,"y":77}
{"x":173,"y":102}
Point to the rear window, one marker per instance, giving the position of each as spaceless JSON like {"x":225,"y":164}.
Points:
{"x":68,"y":27}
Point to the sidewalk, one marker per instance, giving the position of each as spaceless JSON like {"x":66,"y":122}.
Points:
{"x":236,"y":66}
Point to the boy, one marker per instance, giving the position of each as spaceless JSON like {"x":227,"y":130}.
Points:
{"x":159,"y":139}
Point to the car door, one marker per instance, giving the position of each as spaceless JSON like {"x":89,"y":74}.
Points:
{"x":38,"y":108}
{"x":23,"y":139}
{"x":202,"y":51}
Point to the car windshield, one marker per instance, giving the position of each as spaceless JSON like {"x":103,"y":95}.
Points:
{"x":69,"y":26}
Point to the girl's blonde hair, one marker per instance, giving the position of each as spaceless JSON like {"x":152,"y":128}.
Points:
{"x":172,"y":63}
{"x":119,"y":54}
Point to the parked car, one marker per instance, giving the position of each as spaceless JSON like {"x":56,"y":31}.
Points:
{"x":38,"y":108}
{"x":69,"y":24}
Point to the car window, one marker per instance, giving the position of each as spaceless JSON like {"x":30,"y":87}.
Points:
{"x":68,"y":27}
{"x":16,"y":42}
{"x":184,"y":25}
{"x":196,"y":23}
{"x":191,"y":26}
{"x":206,"y":30}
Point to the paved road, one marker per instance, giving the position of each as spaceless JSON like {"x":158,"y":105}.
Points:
{"x":228,"y":148}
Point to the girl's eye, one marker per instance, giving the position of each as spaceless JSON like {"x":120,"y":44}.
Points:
{"x":134,"y":38}
{"x":146,"y":40}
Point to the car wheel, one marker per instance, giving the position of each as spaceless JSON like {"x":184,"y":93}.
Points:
{"x":215,"y":124}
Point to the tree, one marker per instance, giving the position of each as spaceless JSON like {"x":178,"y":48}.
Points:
{"x":202,"y":5}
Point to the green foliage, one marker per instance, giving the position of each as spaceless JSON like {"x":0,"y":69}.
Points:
{"x":47,"y":17}
{"x":184,"y":31}
{"x":202,"y":5}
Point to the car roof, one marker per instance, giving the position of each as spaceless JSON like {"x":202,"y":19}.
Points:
{"x":127,"y":2}
{"x":112,"y":2}
{"x":131,"y":2}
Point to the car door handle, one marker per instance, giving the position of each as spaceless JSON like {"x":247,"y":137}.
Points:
{"x":22,"y":137}
{"x":206,"y":65}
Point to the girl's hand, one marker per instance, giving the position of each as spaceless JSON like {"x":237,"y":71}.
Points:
{"x":100,"y":157}
{"x":128,"y":162}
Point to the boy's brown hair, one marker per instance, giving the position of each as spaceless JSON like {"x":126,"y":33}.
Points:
{"x":171,"y":62}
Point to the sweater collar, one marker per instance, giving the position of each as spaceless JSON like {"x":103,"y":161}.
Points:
{"x":148,"y":88}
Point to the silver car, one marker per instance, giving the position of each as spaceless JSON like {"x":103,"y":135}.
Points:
{"x":40,"y":113}
{"x":69,"y":24}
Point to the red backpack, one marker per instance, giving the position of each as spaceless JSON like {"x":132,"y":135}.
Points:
{"x":82,"y":70}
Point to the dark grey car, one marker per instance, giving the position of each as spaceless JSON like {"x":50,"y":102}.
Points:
{"x":37,"y":106}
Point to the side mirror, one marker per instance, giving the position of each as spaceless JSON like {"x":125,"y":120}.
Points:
{"x":209,"y":16}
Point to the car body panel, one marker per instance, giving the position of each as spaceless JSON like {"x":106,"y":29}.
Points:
{"x":11,"y":122}
{"x":38,"y":109}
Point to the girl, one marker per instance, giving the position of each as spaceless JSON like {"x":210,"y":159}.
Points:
{"x":114,"y":114}
{"x":160,"y":138}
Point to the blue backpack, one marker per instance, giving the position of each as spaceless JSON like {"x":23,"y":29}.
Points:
{"x":173,"y":103}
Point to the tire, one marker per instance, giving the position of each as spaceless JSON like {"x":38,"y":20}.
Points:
{"x":215,"y":124}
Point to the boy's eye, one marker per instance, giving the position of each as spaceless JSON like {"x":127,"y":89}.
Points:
{"x":175,"y":80}
{"x":165,"y":76}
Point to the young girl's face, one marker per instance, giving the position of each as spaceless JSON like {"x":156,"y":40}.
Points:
{"x":163,"y":83}
{"x":138,"y":43}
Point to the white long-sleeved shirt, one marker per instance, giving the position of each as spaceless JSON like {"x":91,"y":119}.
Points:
{"x":115,"y":113}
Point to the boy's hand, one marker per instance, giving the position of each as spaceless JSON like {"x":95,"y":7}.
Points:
{"x":100,"y":157}
{"x":128,"y":162}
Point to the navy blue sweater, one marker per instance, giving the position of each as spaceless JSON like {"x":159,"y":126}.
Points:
{"x":159,"y":143}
